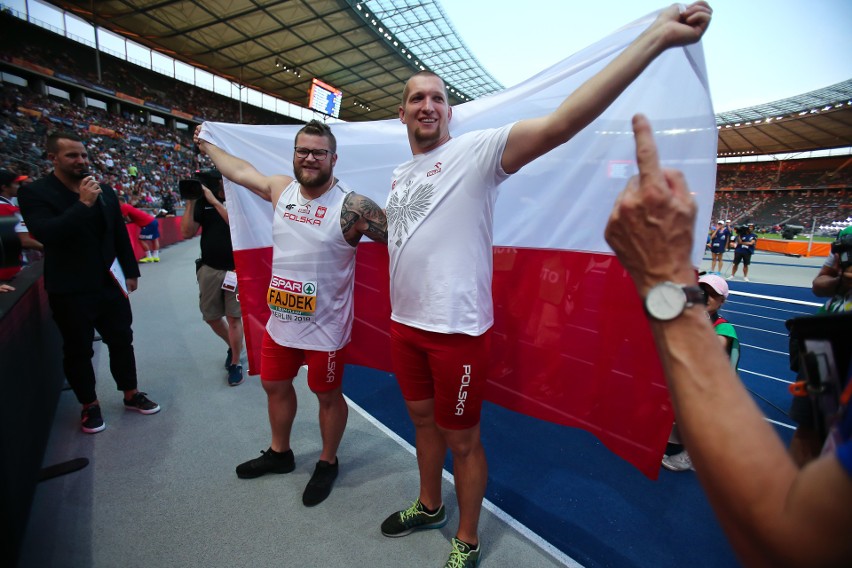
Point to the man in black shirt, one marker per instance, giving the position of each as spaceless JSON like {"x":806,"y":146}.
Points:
{"x":217,"y":281}
{"x":89,"y":268}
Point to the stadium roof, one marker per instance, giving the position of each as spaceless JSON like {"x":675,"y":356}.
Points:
{"x":818,"y":120}
{"x":368,"y":48}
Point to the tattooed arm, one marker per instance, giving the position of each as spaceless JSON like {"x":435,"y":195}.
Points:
{"x":361,"y":216}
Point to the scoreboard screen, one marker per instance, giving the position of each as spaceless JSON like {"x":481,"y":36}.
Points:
{"x":324,"y":98}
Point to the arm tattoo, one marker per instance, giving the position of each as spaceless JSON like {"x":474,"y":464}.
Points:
{"x":347,"y":219}
{"x":362,"y":215}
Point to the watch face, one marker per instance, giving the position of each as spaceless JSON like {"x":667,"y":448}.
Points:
{"x":665,"y":301}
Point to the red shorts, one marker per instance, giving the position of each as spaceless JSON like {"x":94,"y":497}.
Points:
{"x":450,"y":367}
{"x":279,"y":363}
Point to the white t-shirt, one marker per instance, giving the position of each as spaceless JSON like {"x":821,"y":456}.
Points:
{"x":440,"y":217}
{"x":313,"y":272}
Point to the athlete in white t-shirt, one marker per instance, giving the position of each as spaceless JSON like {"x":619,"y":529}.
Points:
{"x":316,"y":227}
{"x":440,"y":215}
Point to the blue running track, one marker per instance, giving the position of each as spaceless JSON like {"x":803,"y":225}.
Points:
{"x":596,"y":509}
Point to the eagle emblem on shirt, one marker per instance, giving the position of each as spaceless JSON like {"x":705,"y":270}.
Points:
{"x":407,"y":207}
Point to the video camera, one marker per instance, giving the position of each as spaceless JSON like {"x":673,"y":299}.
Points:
{"x":742,"y":230}
{"x":191,"y":188}
{"x":842,"y":247}
{"x":820,"y":346}
{"x":790,"y":231}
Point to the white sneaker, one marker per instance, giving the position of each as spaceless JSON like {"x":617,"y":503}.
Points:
{"x":678,"y":462}
{"x":745,"y":279}
{"x":731,"y":277}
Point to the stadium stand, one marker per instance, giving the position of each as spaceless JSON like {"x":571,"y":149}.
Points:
{"x":155,"y":139}
{"x":803,"y":192}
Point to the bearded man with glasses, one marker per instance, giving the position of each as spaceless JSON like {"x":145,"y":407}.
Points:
{"x":310,"y":295}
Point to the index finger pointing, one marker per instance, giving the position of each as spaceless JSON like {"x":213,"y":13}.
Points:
{"x":646,"y":152}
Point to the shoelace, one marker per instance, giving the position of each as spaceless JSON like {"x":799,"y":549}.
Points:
{"x":411,"y":512}
{"x":458,"y":557}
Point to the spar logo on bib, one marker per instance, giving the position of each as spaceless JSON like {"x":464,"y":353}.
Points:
{"x":292,"y":300}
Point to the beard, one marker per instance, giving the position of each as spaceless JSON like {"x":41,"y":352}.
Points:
{"x":76,"y":172}
{"x":428,"y":139}
{"x":311,"y":178}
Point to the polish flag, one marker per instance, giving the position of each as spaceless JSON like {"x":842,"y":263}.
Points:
{"x":571,"y":343}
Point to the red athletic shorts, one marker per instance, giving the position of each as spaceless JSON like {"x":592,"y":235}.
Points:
{"x":279,"y":363}
{"x":450,"y":367}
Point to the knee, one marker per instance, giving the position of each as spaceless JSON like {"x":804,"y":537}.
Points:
{"x":422,"y":420}
{"x":330,"y":399}
{"x":119,"y":338}
{"x":279,"y":390}
{"x":463,"y":443}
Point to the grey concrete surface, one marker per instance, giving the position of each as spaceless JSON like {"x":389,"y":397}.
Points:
{"x":161,"y":490}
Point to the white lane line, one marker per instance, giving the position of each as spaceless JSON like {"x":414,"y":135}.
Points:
{"x":554,"y":552}
{"x":764,"y":349}
{"x":776,"y":298}
{"x":782,"y":424}
{"x":766,"y":376}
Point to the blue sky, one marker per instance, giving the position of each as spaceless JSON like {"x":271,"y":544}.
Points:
{"x":757,"y":51}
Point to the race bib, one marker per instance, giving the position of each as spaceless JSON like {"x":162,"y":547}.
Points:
{"x":292,"y":300}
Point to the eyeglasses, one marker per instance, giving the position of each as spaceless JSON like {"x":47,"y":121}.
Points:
{"x":319,"y":155}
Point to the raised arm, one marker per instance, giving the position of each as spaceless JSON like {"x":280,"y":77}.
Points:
{"x":773,"y":513}
{"x":242,"y":172}
{"x":361,"y":216}
{"x":532,"y":138}
{"x":829,"y":280}
{"x":217,"y":205}
{"x":188,"y":225}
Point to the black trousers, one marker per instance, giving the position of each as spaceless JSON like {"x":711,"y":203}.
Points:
{"x":78,"y":316}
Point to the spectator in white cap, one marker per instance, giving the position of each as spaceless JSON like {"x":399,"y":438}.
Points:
{"x":715,"y":293}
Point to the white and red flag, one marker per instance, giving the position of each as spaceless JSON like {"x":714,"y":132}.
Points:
{"x":571,"y":343}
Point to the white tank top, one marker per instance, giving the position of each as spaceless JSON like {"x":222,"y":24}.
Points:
{"x":313,"y":272}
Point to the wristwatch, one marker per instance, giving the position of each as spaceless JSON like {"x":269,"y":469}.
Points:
{"x":668,"y":300}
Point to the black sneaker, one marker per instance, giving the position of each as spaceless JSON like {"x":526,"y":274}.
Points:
{"x":141,"y":403}
{"x":413,"y":519}
{"x":228,"y":358}
{"x":463,"y":556}
{"x":319,"y":487}
{"x":269,"y":461}
{"x":91,"y":420}
{"x":235,"y":375}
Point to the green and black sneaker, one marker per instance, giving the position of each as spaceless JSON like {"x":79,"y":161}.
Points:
{"x":463,"y":556}
{"x":414,"y":518}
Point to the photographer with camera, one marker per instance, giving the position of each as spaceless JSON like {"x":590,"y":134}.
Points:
{"x":834,"y":282}
{"x":773,"y":513}
{"x":217,"y":281}
{"x":746,"y":242}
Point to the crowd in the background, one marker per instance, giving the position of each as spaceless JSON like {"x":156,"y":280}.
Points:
{"x":786,"y":174}
{"x":43,"y":48}
{"x":769,"y":209}
{"x":144,"y":160}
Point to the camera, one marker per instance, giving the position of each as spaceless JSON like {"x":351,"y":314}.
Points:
{"x":742,"y":230}
{"x":842,"y":247}
{"x":191,"y":188}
